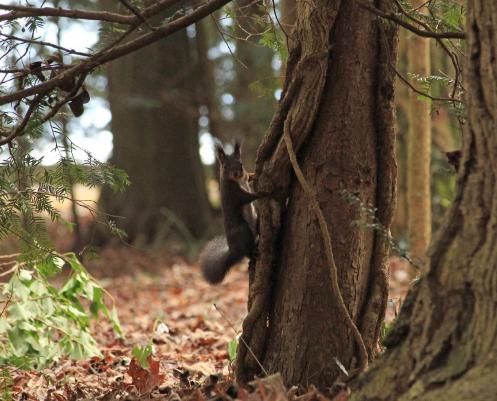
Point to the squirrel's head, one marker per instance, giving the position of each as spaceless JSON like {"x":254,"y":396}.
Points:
{"x":231,"y":165}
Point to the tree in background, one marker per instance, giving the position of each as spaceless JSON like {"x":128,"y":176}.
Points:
{"x":152,"y":95}
{"x":288,"y":17}
{"x":255,"y":80}
{"x":419,"y":148}
{"x":336,"y":114}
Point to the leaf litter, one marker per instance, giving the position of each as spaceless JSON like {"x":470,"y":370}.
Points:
{"x":176,"y":343}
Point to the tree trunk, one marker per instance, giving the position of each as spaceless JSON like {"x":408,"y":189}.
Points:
{"x":154,"y":123}
{"x":337,"y":105}
{"x":443,"y":346}
{"x":419,"y":150}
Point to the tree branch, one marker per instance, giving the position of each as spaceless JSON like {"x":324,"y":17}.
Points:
{"x":137,"y":13}
{"x":420,"y":32}
{"x":18,"y":130}
{"x":118,"y":51}
{"x":424,"y":94}
{"x":43,"y":43}
{"x":452,"y":56}
{"x":23,"y":12}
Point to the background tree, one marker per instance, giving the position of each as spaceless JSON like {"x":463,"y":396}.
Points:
{"x":255,"y":81}
{"x":337,"y":107}
{"x":419,"y":148}
{"x":443,"y":344}
{"x":155,"y":127}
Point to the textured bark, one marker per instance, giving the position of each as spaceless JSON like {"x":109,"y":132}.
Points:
{"x":154,"y":123}
{"x":443,"y":346}
{"x":419,"y":150}
{"x":338,"y":106}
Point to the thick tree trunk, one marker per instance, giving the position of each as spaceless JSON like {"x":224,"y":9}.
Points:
{"x":443,"y":346}
{"x":337,"y":105}
{"x":154,"y":123}
{"x":419,"y":150}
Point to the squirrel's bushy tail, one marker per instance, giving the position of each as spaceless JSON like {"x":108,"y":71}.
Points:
{"x":216,"y":259}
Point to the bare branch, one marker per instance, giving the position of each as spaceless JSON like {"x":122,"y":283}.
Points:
{"x":113,"y":53}
{"x":416,"y":90}
{"x":43,"y":43}
{"x":18,"y":131}
{"x":452,"y":56}
{"x":137,"y":12}
{"x":425,"y":33}
{"x":23,"y":12}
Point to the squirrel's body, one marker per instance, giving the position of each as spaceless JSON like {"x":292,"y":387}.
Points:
{"x":220,"y":254}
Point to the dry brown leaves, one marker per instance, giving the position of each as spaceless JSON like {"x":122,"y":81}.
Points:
{"x":171,"y":307}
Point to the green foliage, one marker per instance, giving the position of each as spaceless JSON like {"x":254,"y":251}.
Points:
{"x":28,"y":191}
{"x":385,"y":330}
{"x":443,"y":15}
{"x":275,"y":40}
{"x":265,"y":88}
{"x":232,"y":349}
{"x":450,"y":14}
{"x":6,"y":384}
{"x":142,"y":354}
{"x":42,"y":322}
{"x":368,"y":220}
{"x":39,"y":320}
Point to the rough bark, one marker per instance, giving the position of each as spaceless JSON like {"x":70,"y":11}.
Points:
{"x":419,"y":150}
{"x":154,"y":123}
{"x":443,"y":346}
{"x":337,"y":104}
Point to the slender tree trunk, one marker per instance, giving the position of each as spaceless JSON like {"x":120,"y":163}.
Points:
{"x":206,"y":91}
{"x":253,"y":109}
{"x":288,"y":19}
{"x":399,"y":224}
{"x":337,"y":105}
{"x":152,"y":96}
{"x":288,"y":16}
{"x":419,"y":150}
{"x":443,"y":346}
{"x":78,"y":242}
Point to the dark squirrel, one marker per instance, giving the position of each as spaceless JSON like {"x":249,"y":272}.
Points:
{"x":221,"y":253}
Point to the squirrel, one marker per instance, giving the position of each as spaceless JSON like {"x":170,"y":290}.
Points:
{"x":221,"y":253}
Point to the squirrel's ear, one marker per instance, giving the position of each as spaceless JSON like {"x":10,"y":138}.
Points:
{"x":219,"y":150}
{"x":237,"y":149}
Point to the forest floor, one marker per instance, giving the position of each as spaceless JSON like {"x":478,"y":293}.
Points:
{"x":165,"y":303}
